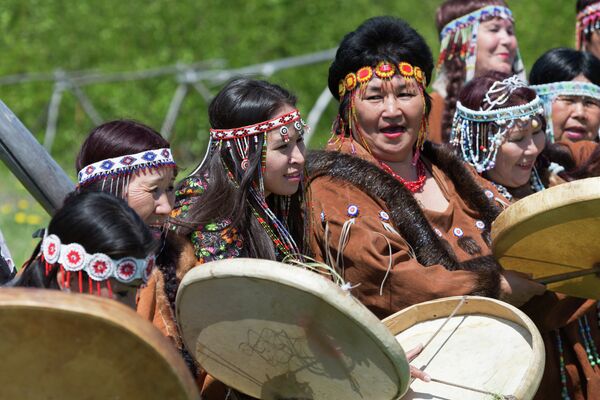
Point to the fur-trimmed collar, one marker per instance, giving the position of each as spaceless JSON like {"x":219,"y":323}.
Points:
{"x":405,"y":212}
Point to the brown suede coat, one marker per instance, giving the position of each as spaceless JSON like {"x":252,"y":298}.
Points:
{"x":388,"y":268}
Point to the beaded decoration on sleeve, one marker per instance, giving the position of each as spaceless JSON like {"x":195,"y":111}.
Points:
{"x":478,"y":134}
{"x":588,"y":21}
{"x":116,"y":171}
{"x":239,"y":143}
{"x":459,"y":39}
{"x":355,"y":83}
{"x":550,"y":91}
{"x":73,"y":258}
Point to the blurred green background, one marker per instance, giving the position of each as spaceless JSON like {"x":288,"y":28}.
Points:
{"x":42,"y":36}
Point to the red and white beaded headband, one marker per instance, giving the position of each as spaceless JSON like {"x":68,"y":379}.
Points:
{"x":261,"y":127}
{"x":383,"y":70}
{"x":99,"y":267}
{"x":126,"y":164}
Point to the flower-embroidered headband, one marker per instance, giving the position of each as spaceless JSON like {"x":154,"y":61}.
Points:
{"x":548,"y":92}
{"x":480,"y":133}
{"x":125,"y":165}
{"x":588,"y":20}
{"x":99,"y":267}
{"x":383,"y":70}
{"x":459,"y":39}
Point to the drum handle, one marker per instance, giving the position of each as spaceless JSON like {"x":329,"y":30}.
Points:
{"x":569,"y":275}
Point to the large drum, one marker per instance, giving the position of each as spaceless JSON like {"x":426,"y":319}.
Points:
{"x":274,"y":331}
{"x":58,"y":345}
{"x":476,"y":348}
{"x":553,"y":235}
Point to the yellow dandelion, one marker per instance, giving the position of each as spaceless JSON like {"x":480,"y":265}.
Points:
{"x":20,"y":217}
{"x":6,"y":209}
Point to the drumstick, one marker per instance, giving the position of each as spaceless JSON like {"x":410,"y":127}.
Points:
{"x":568,"y":275}
{"x":494,"y":395}
{"x":458,"y":306}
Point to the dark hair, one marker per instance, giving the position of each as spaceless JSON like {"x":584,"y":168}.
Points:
{"x":455,"y":67}
{"x":240,"y":103}
{"x":101,"y":223}
{"x":378,"y":39}
{"x":113,"y":139}
{"x":563,"y":64}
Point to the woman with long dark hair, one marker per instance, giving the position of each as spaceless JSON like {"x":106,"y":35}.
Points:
{"x":246,"y":199}
{"x":477,"y":36}
{"x":94,"y":244}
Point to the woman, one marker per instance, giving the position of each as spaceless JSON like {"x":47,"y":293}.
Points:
{"x":499,"y":129}
{"x":504,"y":153}
{"x":477,"y":36}
{"x":400,"y":218}
{"x":246,"y":199}
{"x":94,"y":244}
{"x":588,"y":26}
{"x":568,"y":82}
{"x":133,"y":162}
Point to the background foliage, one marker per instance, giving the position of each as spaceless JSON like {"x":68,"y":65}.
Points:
{"x":113,"y":36}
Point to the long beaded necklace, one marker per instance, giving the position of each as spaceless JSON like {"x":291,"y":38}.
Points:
{"x":414,"y":186}
{"x":588,"y":341}
{"x":563,"y":375}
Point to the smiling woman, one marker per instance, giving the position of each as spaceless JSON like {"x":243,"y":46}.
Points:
{"x":477,"y":37}
{"x":246,"y":199}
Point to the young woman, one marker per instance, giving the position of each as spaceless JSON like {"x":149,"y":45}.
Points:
{"x":246,"y":199}
{"x":94,"y":244}
{"x":400,"y":218}
{"x":477,"y":36}
{"x":499,"y":129}
{"x":568,"y":82}
{"x":505,"y":154}
{"x":588,"y":26}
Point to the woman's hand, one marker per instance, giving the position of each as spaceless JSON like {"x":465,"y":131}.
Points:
{"x":517,"y":288}
{"x":414,"y":371}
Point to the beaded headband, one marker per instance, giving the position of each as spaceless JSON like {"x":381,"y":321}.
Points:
{"x":459,"y":39}
{"x":125,"y":165}
{"x":548,"y":92}
{"x":479,"y":134}
{"x":99,"y":267}
{"x":261,"y":127}
{"x":588,"y":20}
{"x":383,"y":70}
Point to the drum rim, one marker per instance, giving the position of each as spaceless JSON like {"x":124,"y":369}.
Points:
{"x":553,"y":198}
{"x":301,"y":279}
{"x":107,"y":310}
{"x":532,"y":377}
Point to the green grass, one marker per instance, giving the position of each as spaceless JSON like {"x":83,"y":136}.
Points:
{"x":112,"y":36}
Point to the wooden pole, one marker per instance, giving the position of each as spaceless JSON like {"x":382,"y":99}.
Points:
{"x":31,"y":163}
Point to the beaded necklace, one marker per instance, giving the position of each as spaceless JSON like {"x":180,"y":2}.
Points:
{"x":563,"y":375}
{"x":414,"y":186}
{"x":535,"y":183}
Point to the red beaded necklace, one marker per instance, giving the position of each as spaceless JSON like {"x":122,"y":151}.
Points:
{"x":413,"y":186}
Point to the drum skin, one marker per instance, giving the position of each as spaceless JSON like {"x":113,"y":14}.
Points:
{"x":275,"y":331}
{"x":488,"y":345}
{"x":553,"y":232}
{"x":57,"y":345}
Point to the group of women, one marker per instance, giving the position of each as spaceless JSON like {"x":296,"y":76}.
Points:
{"x":400,"y":202}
